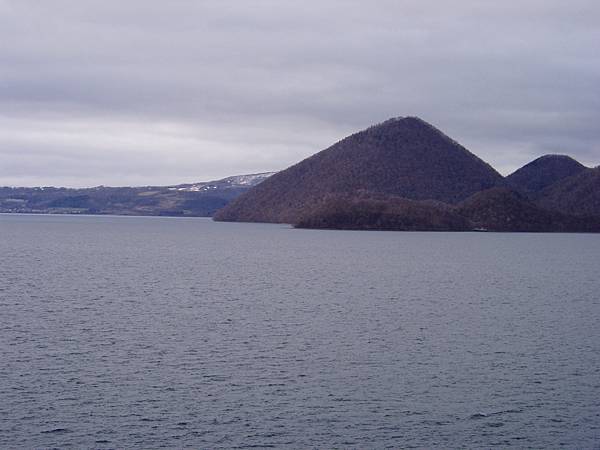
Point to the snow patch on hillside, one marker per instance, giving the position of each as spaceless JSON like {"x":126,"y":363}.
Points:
{"x":245,"y":181}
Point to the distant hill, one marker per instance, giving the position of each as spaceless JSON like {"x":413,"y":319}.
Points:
{"x":578,"y":194}
{"x":543,"y":172}
{"x":225,"y":184}
{"x":199,"y":199}
{"x":559,"y":183}
{"x":405,"y":157}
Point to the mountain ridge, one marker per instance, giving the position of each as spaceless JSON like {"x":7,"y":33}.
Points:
{"x":193,"y":199}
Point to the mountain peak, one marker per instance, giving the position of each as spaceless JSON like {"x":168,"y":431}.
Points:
{"x":402,"y":120}
{"x":544,"y":171}
{"x":555,"y":157}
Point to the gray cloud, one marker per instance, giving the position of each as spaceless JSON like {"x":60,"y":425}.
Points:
{"x":149,"y":92}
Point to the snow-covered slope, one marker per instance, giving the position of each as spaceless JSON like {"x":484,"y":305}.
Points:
{"x":236,"y":181}
{"x":246,"y":180}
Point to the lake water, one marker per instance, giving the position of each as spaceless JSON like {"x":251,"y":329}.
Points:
{"x":123,"y":332}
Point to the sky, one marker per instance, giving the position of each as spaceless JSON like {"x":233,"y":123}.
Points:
{"x":147,"y":92}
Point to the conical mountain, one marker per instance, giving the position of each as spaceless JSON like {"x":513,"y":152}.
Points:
{"x":543,"y":172}
{"x":406,"y":157}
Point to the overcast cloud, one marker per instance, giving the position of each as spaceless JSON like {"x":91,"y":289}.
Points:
{"x":162,"y":92}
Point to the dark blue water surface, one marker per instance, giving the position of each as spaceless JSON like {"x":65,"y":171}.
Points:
{"x":120,"y":332}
